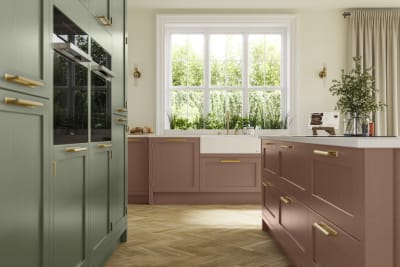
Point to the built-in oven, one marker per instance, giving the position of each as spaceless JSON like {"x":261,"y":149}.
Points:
{"x":71,"y":61}
{"x":100,"y":100}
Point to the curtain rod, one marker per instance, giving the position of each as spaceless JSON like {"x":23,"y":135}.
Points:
{"x":346,"y":14}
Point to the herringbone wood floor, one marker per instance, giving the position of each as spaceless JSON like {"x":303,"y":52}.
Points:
{"x":206,"y":235}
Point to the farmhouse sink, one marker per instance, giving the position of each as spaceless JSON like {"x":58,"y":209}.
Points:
{"x":230,"y":144}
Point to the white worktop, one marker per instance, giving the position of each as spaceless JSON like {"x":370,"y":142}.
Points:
{"x":345,"y":141}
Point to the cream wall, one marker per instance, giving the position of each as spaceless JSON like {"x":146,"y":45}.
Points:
{"x":321,"y":39}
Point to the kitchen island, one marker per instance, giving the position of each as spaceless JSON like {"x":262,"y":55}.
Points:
{"x":333,"y":201}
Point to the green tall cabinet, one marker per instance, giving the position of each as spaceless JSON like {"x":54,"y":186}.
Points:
{"x":63,"y":183}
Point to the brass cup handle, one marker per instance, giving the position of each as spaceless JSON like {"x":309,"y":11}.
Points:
{"x":229,"y":161}
{"x":22,"y":80}
{"x":286,"y":200}
{"x":325,"y":229}
{"x":22,"y":102}
{"x":333,"y":154}
{"x":104,"y":145}
{"x":266,"y":184}
{"x":176,"y":140}
{"x":75,"y":149}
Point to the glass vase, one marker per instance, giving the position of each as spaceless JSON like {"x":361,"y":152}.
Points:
{"x":353,"y":125}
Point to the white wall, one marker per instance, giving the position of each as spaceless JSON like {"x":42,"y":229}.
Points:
{"x":321,"y":40}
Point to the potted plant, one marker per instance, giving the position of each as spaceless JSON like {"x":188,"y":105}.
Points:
{"x":356,"y":91}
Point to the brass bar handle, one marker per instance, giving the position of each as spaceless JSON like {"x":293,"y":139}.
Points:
{"x":268,"y":144}
{"x":133,"y":140}
{"x":22,"y":102}
{"x":333,"y":154}
{"x":267,"y":184}
{"x":287,"y":146}
{"x":121,"y":120}
{"x":75,"y":149}
{"x":104,"y":145}
{"x":121,"y":110}
{"x":177,"y":140}
{"x":325,"y":229}
{"x":286,"y":200}
{"x":22,"y":80}
{"x":229,"y":161}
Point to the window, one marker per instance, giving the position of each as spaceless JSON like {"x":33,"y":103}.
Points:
{"x":215,"y":70}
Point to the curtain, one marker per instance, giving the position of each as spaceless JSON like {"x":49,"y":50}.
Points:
{"x":374,"y":35}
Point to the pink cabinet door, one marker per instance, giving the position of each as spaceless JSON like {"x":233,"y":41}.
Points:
{"x":332,"y":247}
{"x":174,"y":164}
{"x":295,"y":169}
{"x":337,"y":186}
{"x":270,"y":157}
{"x":270,"y":202}
{"x":219,"y":173}
{"x":138,"y":170}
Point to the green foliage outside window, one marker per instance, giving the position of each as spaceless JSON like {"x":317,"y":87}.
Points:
{"x":265,"y":111}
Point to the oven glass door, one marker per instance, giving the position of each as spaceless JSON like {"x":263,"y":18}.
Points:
{"x":100,"y":109}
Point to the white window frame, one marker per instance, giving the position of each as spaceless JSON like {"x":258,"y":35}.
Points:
{"x":208,"y":24}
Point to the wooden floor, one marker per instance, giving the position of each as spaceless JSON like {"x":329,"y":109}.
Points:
{"x":206,"y":235}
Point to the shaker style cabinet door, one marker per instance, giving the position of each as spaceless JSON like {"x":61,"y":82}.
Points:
{"x":24,"y":165}
{"x":24,"y":52}
{"x":138,"y":170}
{"x":69,"y":206}
{"x":174,"y":164}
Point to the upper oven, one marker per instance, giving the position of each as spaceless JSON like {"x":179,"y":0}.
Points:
{"x":70,"y":75}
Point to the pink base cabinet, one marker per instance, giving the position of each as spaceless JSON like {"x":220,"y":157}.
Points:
{"x":330,"y":206}
{"x":138,"y":170}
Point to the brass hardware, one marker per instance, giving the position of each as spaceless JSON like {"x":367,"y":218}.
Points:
{"x":229,"y":161}
{"x":268,"y":144}
{"x":267,"y":184}
{"x":54,"y":168}
{"x":322,"y":73}
{"x":22,"y":102}
{"x":325,"y":229}
{"x":121,"y":120}
{"x":133,"y":140}
{"x":22,"y":80}
{"x":286,"y":200}
{"x":333,"y":154}
{"x":104,"y":20}
{"x":121,"y":110}
{"x":75,"y":149}
{"x":136,"y":73}
{"x":104,"y":145}
{"x":177,"y":140}
{"x":286,"y":146}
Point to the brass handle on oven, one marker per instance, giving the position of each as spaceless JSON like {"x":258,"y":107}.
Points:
{"x":104,"y":145}
{"x":22,"y":102}
{"x":229,"y":161}
{"x":22,"y":80}
{"x":75,"y":149}
{"x":286,"y":200}
{"x":325,"y":229}
{"x":333,"y":154}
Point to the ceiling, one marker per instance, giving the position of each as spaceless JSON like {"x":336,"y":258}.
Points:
{"x":256,"y":4}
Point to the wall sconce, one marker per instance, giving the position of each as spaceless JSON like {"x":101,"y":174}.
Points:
{"x":136,"y":73}
{"x":322,"y":73}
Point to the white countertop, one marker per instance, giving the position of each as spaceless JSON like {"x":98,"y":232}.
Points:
{"x":345,"y":141}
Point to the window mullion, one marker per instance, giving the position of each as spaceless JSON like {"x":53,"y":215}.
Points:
{"x":206,"y":63}
{"x":245,"y":71}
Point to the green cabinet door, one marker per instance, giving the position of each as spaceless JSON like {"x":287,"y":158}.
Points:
{"x":99,"y":202}
{"x":100,"y":8}
{"x":70,"y":216}
{"x":118,"y":184}
{"x":25,"y":48}
{"x":24,"y":165}
{"x":119,"y":59}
